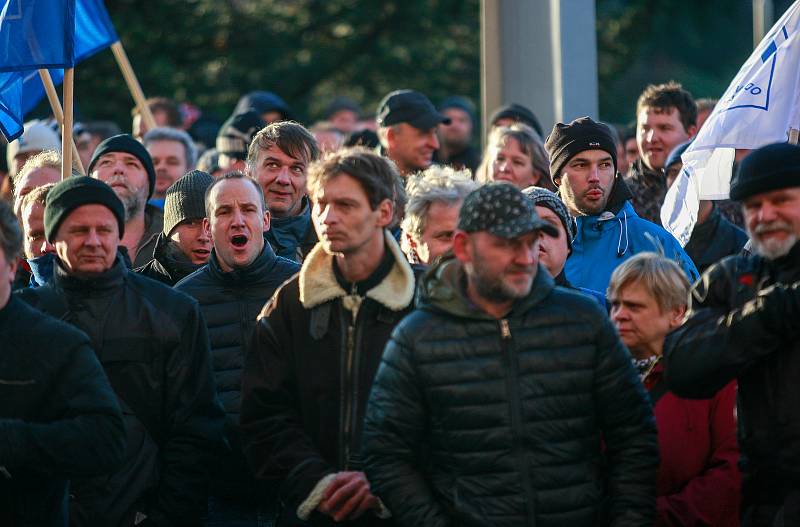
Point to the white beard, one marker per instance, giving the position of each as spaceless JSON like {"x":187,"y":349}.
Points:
{"x":772,"y":248}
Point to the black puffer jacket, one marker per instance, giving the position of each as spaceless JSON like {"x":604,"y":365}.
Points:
{"x":230,"y":303}
{"x":169,"y":265}
{"x":59,"y":417}
{"x":475,"y":421}
{"x":153,"y":345}
{"x":309,"y":373}
{"x":743,"y":324}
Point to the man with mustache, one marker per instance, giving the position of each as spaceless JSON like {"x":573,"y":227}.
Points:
{"x":241,"y":275}
{"x":125,"y":165}
{"x":503,"y":399}
{"x":583,"y":165}
{"x":743,"y":325}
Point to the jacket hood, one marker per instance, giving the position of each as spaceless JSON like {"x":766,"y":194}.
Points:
{"x":443,"y":288}
{"x":318,"y":284}
{"x":171,"y":259}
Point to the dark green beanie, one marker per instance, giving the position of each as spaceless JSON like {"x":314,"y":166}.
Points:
{"x":75,"y":192}
{"x":126,"y":143}
{"x":185,"y":199}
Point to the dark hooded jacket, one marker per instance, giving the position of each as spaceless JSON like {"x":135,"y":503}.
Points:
{"x":293,"y":237}
{"x":743,"y":324}
{"x":59,"y":417}
{"x":153,"y":345}
{"x":475,"y":421}
{"x":169,"y":265}
{"x":230,"y":303}
{"x":713,"y":240}
{"x":309,"y":372}
{"x":153,"y":225}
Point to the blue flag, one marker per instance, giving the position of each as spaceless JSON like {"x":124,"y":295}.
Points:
{"x":37,"y":34}
{"x":11,"y":104}
{"x":94,"y":32}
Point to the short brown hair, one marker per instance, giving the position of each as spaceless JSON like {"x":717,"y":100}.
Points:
{"x":662,"y":97}
{"x":661,"y":277}
{"x":292,"y":138}
{"x":377,"y":175}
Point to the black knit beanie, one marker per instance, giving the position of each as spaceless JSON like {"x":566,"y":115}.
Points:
{"x":185,"y":199}
{"x":568,"y":140}
{"x":75,"y":192}
{"x":518,"y":113}
{"x":768,"y":168}
{"x":126,"y":143}
{"x":237,"y":133}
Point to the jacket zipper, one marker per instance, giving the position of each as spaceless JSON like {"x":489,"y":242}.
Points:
{"x":348,"y":388}
{"x":512,"y":380}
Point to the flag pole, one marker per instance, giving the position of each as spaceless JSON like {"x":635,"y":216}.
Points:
{"x":66,"y":128}
{"x":133,"y":84}
{"x":58,"y":113}
{"x":794,"y":134}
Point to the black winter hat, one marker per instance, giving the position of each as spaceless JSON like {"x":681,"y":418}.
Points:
{"x":768,"y":168}
{"x":237,"y":133}
{"x":126,"y":143}
{"x":568,"y":140}
{"x":541,"y":197}
{"x":462,"y":103}
{"x":75,"y":192}
{"x":519,"y":113}
{"x":185,"y":199}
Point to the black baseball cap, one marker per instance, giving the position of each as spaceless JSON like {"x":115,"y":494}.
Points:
{"x":503,"y":210}
{"x":409,"y":106}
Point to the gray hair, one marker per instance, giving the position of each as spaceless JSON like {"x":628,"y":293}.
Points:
{"x":165,"y":133}
{"x":436,"y":184}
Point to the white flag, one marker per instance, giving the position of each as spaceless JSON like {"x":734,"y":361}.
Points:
{"x":758,"y":108}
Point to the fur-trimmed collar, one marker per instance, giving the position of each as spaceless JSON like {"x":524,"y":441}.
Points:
{"x":318,"y":284}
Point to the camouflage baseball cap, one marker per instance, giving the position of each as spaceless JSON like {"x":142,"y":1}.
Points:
{"x":501,"y":209}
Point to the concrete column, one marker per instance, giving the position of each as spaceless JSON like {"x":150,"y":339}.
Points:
{"x":547,"y":55}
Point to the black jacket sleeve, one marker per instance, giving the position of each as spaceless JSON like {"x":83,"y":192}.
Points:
{"x":629,"y":431}
{"x":276,"y":445}
{"x":195,"y":427}
{"x":394,"y":432}
{"x":87,"y":439}
{"x":720,"y":338}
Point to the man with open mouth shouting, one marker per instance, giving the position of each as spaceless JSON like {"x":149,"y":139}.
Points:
{"x":242,"y":274}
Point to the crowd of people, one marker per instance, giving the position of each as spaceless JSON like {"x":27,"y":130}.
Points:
{"x":369,"y":321}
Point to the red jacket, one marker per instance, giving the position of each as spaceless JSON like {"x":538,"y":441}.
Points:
{"x":698,"y":479}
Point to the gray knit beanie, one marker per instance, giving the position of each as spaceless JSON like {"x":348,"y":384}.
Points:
{"x":544,"y":198}
{"x":185,"y":199}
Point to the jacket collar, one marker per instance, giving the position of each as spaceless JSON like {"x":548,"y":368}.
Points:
{"x":258,"y":271}
{"x":290,"y":232}
{"x":318,"y":284}
{"x":110,"y":279}
{"x":173,"y":261}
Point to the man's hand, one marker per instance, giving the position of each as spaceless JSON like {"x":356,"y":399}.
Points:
{"x":348,"y":497}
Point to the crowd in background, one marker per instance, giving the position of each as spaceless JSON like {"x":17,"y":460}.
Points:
{"x":369,"y":320}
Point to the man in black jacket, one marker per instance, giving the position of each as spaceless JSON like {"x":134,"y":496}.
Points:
{"x":505,"y":400}
{"x":278,"y":158}
{"x":58,"y":415}
{"x":241,"y":276}
{"x":184,"y":245}
{"x":318,"y":344}
{"x":153,"y":345}
{"x":743,"y":324}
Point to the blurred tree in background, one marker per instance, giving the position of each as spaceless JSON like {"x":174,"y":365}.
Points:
{"x":209,"y":52}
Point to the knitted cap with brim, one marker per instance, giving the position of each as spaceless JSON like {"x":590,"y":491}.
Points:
{"x":185,"y":199}
{"x":127,"y":144}
{"x":771,"y":167}
{"x":541,"y":197}
{"x":75,"y":192}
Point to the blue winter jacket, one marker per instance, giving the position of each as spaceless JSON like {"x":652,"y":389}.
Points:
{"x":606,"y":240}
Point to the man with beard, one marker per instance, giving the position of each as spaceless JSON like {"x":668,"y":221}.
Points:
{"x":125,"y":165}
{"x":583,"y":165}
{"x":407,"y":123}
{"x":318,"y":344}
{"x":242,"y":274}
{"x":278,"y":159}
{"x":743,"y":325}
{"x":153,"y":345}
{"x":503,"y":399}
{"x":184,"y":245}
